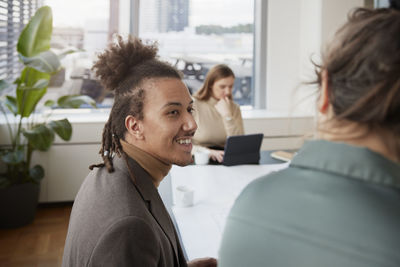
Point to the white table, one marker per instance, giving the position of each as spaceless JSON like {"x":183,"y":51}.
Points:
{"x":216,"y":188}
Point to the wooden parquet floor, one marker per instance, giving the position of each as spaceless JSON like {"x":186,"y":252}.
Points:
{"x":40,"y":244}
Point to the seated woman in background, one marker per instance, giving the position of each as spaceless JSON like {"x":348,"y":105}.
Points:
{"x":338,"y":202}
{"x":216,"y":114}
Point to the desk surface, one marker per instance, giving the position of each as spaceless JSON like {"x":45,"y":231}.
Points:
{"x":215,"y":190}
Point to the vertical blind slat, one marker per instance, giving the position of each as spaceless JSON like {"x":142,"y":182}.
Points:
{"x":15,"y":15}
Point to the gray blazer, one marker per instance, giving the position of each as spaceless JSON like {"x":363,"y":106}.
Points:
{"x":117,"y":223}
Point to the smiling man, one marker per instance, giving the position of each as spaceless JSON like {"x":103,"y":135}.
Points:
{"x":118,"y":217}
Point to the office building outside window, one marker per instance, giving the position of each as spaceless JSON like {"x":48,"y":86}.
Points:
{"x":195,"y":35}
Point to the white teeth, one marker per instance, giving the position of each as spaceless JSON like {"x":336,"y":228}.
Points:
{"x":184,"y":141}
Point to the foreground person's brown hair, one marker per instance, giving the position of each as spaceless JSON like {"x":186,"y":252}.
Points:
{"x":363,"y":68}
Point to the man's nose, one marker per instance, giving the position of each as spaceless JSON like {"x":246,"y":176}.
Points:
{"x":190,"y":124}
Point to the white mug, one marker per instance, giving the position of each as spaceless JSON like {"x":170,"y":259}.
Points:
{"x":201,"y":157}
{"x":184,"y":196}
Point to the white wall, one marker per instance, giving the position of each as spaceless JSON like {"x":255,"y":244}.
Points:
{"x":283,"y":52}
{"x":304,"y":97}
{"x":297,"y":30}
{"x":334,"y":14}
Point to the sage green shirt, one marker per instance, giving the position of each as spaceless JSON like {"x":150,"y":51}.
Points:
{"x":335,"y":205}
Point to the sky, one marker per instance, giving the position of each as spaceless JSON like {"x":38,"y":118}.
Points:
{"x":221,"y":12}
{"x":74,"y":13}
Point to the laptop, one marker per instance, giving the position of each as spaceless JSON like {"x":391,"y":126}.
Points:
{"x":242,"y":149}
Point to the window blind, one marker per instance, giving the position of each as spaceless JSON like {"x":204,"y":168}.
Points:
{"x":14,"y":15}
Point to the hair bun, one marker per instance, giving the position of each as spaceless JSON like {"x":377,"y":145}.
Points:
{"x":116,"y":63}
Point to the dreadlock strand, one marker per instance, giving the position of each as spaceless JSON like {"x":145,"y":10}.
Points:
{"x":100,"y":165}
{"x":105,"y":150}
{"x":117,"y":145}
{"x":108,"y":163}
{"x":107,"y":136}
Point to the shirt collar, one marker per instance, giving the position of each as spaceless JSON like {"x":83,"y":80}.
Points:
{"x":349,"y":161}
{"x":156,"y":168}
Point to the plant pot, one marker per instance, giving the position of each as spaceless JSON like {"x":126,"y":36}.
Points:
{"x":18,"y":204}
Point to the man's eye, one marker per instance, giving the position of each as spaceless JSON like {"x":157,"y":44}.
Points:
{"x":173,"y":112}
{"x":191,"y":110}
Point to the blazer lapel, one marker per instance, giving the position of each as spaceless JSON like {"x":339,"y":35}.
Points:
{"x":156,"y":206}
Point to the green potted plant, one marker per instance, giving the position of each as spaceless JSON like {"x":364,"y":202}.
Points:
{"x":29,"y":131}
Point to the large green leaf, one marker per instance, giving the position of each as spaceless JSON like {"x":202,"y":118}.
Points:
{"x":40,"y":84}
{"x":36,"y":173}
{"x":46,"y":61}
{"x":49,"y":103}
{"x":30,"y":77}
{"x":3,"y":85}
{"x":11,"y":104}
{"x":62,"y":128}
{"x":36,"y":35}
{"x":4,"y":181}
{"x":40,"y":137}
{"x":28,"y":95}
{"x":75,"y":101}
{"x":13,"y":157}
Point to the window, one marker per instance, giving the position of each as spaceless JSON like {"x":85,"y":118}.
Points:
{"x":381,"y":3}
{"x":82,"y":25}
{"x":195,"y":35}
{"x":191,"y":35}
{"x":14,"y":15}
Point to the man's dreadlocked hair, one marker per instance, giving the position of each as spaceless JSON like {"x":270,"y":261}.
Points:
{"x":123,"y":68}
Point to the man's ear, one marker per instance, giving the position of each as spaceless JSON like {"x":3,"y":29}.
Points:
{"x":323,"y":101}
{"x":134,"y":127}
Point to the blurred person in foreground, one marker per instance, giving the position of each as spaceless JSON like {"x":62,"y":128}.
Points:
{"x":216,"y":115}
{"x":118,"y":217}
{"x":338,"y":202}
